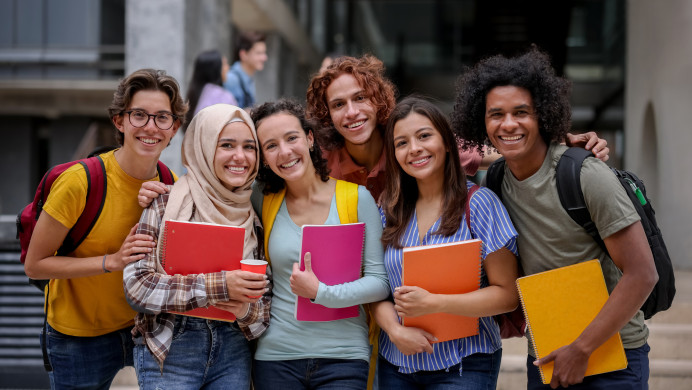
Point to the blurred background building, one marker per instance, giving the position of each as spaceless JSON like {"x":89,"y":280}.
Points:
{"x":630,"y":62}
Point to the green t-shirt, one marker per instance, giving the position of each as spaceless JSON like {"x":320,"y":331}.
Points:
{"x":549,"y":238}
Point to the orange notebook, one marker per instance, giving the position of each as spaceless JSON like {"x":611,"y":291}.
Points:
{"x":452,"y":268}
{"x":559,"y":304}
{"x":197,"y":247}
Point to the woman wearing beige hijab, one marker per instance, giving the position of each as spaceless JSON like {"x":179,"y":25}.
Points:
{"x":173,"y":351}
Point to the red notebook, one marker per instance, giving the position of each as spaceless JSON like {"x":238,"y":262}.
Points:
{"x":452,"y":268}
{"x":336,"y":254}
{"x":199,"y":247}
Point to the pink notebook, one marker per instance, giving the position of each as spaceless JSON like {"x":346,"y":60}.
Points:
{"x":337,"y":255}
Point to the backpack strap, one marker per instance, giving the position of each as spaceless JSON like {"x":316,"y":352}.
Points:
{"x":247,"y":98}
{"x":270,"y":207}
{"x":96,"y":196}
{"x":568,"y":182}
{"x":165,"y":173}
{"x":347,"y":201}
{"x":467,"y":207}
{"x":494,"y":176}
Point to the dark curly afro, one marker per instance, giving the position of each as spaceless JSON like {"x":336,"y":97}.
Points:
{"x":531,"y":71}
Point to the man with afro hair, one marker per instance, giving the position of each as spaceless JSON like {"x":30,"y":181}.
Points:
{"x":522,"y":108}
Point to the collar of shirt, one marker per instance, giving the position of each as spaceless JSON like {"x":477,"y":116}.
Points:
{"x":341,"y":164}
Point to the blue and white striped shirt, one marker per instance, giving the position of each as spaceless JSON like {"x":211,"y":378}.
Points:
{"x":491,"y":224}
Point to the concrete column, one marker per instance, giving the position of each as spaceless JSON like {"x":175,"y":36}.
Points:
{"x":168,"y":34}
{"x":657,"y":126}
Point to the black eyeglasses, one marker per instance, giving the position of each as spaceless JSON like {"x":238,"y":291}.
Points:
{"x":162,"y":120}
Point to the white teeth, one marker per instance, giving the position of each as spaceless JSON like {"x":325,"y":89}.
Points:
{"x":356,"y":124}
{"x":149,"y":141}
{"x":515,"y":138}
{"x":292,"y":163}
{"x":422,"y":160}
{"x":236,"y":169}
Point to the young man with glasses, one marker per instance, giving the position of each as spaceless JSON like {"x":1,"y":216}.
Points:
{"x":89,"y":321}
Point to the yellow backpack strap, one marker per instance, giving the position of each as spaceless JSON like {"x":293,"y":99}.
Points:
{"x":347,"y":201}
{"x":270,"y":207}
{"x":347,"y":206}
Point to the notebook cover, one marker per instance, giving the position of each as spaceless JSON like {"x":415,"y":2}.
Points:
{"x":559,"y":304}
{"x":337,"y":254}
{"x":198,"y":247}
{"x":452,"y":268}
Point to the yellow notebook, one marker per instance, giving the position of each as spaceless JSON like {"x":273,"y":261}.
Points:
{"x":559,"y":304}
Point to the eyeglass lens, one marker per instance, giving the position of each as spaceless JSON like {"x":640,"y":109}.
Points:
{"x":139,"y":118}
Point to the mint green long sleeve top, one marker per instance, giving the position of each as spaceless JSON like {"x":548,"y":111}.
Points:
{"x":290,"y":339}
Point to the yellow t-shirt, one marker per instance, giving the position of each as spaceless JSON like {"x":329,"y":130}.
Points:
{"x":94,"y":305}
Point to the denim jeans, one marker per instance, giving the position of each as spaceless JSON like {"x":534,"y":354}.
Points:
{"x":87,"y":362}
{"x":634,"y":377}
{"x":479,"y":372}
{"x":204,"y":354}
{"x":302,"y":374}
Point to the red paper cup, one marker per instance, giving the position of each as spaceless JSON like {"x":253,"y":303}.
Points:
{"x":253,"y":265}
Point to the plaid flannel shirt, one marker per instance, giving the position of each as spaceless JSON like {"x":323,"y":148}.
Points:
{"x":154,"y":293}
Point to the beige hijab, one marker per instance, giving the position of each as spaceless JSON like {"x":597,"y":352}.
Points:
{"x":200,"y":191}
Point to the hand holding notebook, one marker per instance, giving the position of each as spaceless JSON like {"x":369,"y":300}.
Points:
{"x":336,"y":254}
{"x":559,"y":304}
{"x":452,"y":268}
{"x":304,"y":283}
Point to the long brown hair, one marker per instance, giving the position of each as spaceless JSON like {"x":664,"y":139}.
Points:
{"x":401,"y":190}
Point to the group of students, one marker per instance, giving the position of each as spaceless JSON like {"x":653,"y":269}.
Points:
{"x":284,"y":165}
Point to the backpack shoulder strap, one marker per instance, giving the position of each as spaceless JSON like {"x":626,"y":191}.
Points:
{"x":247,"y":98}
{"x":165,"y":173}
{"x":96,"y":196}
{"x":270,"y":207}
{"x":494,"y":176}
{"x":568,"y":182}
{"x":347,"y":201}
{"x":467,"y":207}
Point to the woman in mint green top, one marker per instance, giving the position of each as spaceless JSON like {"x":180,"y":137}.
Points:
{"x":299,"y":354}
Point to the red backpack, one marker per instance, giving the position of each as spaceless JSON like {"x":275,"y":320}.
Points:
{"x":96,"y":195}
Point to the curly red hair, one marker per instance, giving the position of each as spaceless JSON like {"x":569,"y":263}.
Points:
{"x":369,"y":72}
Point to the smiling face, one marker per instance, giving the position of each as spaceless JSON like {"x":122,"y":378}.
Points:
{"x":512,"y":126}
{"x":254,"y":58}
{"x":236,"y":155}
{"x":285,"y":146}
{"x":419,"y":147}
{"x":149,"y":140}
{"x":352,"y":112}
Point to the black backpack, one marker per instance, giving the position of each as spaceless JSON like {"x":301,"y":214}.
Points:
{"x":568,"y":182}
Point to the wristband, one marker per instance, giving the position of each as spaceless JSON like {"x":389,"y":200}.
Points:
{"x":103,"y":265}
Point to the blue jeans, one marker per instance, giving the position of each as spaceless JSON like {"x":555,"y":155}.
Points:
{"x":87,"y":362}
{"x":634,"y":377}
{"x":479,"y":372}
{"x":302,"y":374}
{"x":204,"y":354}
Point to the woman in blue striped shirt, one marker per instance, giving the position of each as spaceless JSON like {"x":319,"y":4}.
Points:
{"x":424,"y":203}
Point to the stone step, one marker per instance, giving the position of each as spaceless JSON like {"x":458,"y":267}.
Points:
{"x":665,"y":374}
{"x":670,"y":341}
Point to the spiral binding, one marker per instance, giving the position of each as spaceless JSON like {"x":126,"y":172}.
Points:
{"x":162,"y":245}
